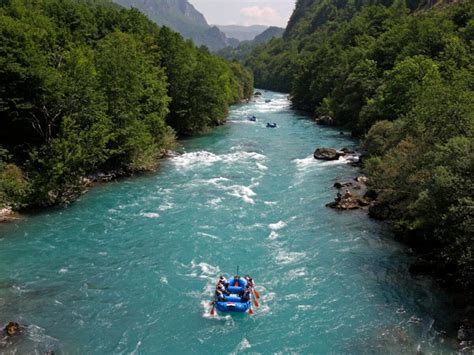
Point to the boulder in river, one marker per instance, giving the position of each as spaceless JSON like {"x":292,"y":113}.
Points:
{"x":328,"y":154}
{"x":12,"y":329}
{"x":347,"y":201}
{"x":334,"y":154}
{"x":257,"y":93}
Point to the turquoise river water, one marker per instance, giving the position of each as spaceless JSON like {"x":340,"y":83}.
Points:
{"x":130,"y":267}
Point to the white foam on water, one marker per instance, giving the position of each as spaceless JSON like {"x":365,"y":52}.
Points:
{"x":164,"y":280}
{"x":233,"y":157}
{"x":207,"y":313}
{"x":273,"y":235}
{"x":206,"y":269}
{"x":200,"y":157}
{"x":255,"y":181}
{"x":284,"y":257}
{"x":277,"y":104}
{"x":277,"y":226}
{"x":63,"y":270}
{"x":340,"y":161}
{"x":302,"y":164}
{"x":261,"y":166}
{"x":166,"y":206}
{"x":310,"y":161}
{"x":270,"y":203}
{"x":207,"y":235}
{"x":243,"y":120}
{"x":135,"y":351}
{"x":206,"y":158}
{"x":217,"y":182}
{"x":149,"y":215}
{"x":243,"y":192}
{"x":243,"y":345}
{"x":296,"y":273}
{"x":251,"y":227}
{"x":214,"y":202}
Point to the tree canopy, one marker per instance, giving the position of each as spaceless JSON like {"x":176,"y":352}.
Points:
{"x":87,"y":85}
{"x":400,"y":75}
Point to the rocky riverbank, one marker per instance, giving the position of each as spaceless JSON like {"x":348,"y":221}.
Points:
{"x":7,"y":214}
{"x":355,"y":194}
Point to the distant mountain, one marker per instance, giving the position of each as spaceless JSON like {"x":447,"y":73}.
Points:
{"x":244,"y":48}
{"x":242,"y":33}
{"x":182,"y":17}
{"x":268,"y":34}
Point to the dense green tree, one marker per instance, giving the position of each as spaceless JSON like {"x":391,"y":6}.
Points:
{"x":87,"y":85}
{"x":399,"y":73}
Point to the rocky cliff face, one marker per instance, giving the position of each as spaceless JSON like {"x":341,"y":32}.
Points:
{"x":182,"y":17}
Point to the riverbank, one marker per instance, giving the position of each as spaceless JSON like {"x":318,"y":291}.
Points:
{"x":7,"y":214}
{"x":427,"y":256}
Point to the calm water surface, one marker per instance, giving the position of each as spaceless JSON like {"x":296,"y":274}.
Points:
{"x":130,"y":267}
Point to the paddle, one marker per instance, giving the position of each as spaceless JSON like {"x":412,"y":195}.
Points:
{"x":213,"y":311}
{"x":255,"y":302}
{"x":257,"y":294}
{"x":250,"y":310}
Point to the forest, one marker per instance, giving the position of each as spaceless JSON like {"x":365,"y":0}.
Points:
{"x":400,"y":76}
{"x":88,"y":86}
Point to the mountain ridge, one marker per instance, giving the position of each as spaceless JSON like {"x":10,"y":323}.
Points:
{"x":182,"y":16}
{"x":242,"y":33}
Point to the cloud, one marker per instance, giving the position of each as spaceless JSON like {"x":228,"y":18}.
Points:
{"x":263,"y":15}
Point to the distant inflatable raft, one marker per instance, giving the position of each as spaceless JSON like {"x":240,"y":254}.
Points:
{"x":233,"y":303}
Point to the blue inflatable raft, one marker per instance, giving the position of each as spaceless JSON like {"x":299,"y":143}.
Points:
{"x":233,"y":302}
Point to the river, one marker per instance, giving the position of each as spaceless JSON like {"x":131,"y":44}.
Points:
{"x":130,"y":267}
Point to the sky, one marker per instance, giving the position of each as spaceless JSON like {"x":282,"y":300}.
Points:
{"x":245,"y":12}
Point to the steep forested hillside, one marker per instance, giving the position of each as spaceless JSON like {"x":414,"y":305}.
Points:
{"x":270,"y":33}
{"x":401,"y":75}
{"x":87,"y":85}
{"x":182,"y":17}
